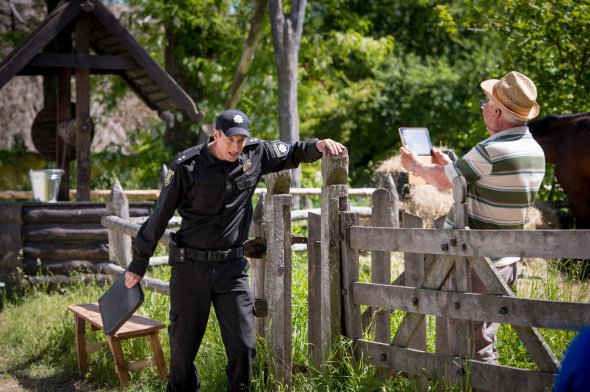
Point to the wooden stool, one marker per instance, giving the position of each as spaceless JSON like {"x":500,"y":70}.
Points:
{"x":134,"y":327}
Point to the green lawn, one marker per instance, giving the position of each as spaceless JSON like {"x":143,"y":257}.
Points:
{"x":37,"y":341}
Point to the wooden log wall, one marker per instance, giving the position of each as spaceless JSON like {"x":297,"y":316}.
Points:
{"x":55,"y":238}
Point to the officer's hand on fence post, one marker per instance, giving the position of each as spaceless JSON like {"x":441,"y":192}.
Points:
{"x":131,"y":279}
{"x":330,"y":145}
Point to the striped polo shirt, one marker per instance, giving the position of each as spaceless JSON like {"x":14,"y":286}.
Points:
{"x":503,"y":174}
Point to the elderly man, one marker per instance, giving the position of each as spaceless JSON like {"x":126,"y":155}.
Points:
{"x":503,"y":174}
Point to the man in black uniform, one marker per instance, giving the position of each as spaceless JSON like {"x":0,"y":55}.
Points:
{"x":211,"y":185}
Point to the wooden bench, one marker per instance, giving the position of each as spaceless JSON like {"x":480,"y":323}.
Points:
{"x":134,"y":327}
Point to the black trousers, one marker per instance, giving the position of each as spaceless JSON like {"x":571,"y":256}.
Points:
{"x":194,"y":286}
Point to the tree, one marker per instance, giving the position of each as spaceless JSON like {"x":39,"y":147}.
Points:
{"x":286,"y":32}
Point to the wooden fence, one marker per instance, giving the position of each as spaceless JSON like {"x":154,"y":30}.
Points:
{"x":335,"y":294}
{"x":431,"y":257}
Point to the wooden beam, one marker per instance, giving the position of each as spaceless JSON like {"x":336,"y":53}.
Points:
{"x":456,"y":370}
{"x":484,"y":243}
{"x":83,"y":123}
{"x":82,"y":60}
{"x":37,"y":40}
{"x":524,"y":312}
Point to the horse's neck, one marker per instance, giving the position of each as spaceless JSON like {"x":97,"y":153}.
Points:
{"x":549,"y":136}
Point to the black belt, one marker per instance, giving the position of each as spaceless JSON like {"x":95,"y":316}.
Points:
{"x":210,"y":254}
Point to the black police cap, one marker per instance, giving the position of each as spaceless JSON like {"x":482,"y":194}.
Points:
{"x":233,"y":122}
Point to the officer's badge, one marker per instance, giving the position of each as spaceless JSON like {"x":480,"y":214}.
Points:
{"x":169,"y":176}
{"x":238,"y":119}
{"x":281,"y":148}
{"x":246,"y":165}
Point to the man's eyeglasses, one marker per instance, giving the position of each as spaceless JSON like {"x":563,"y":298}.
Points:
{"x":483,"y":103}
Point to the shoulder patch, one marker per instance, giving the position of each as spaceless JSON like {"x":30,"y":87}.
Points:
{"x":187,"y":154}
{"x":281,"y":148}
{"x":169,"y":177}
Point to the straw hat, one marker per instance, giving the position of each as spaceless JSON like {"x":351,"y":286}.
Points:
{"x":515,"y":94}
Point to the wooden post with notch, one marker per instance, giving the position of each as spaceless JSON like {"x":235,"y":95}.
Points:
{"x":277,"y":274}
{"x":334,"y":200}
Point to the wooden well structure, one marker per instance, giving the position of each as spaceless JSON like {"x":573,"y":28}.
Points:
{"x":77,"y":39}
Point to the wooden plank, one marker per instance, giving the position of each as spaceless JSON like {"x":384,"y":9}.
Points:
{"x":64,"y":115}
{"x":73,"y":214}
{"x":381,"y":261}
{"x":159,"y":359}
{"x":278,"y":284}
{"x":164,"y":80}
{"x":316,"y":333}
{"x":258,"y":231}
{"x":93,"y":62}
{"x":414,"y":277}
{"x":37,"y":40}
{"x":517,"y":311}
{"x":331,"y":306}
{"x":83,"y":123}
{"x":484,"y":243}
{"x":119,"y":242}
{"x":60,"y":267}
{"x":350,"y":275}
{"x":456,"y":370}
{"x":85,"y":232}
{"x":62,"y":251}
{"x":130,"y":228}
{"x":463,"y":342}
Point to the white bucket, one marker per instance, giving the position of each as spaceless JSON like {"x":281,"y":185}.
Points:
{"x":45,"y":184}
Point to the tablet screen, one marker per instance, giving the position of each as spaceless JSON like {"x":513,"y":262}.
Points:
{"x":417,"y":140}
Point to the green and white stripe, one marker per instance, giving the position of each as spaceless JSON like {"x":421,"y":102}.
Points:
{"x":503,"y":174}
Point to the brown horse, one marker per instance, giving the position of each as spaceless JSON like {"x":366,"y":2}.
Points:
{"x":566,"y":142}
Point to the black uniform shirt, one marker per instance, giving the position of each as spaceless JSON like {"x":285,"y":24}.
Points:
{"x":214,"y":197}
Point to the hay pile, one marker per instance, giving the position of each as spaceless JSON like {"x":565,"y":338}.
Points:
{"x":429,"y":203}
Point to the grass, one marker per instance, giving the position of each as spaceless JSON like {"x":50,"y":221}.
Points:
{"x":37,"y":340}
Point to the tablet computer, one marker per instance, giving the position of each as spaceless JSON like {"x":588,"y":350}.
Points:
{"x":417,"y":140}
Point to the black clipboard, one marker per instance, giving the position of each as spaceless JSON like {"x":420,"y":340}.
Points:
{"x":118,"y":304}
{"x":417,"y":139}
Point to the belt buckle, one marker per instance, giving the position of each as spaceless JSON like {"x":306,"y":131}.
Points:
{"x":212,"y":255}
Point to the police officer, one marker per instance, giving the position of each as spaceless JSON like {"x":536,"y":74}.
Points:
{"x":211,"y":185}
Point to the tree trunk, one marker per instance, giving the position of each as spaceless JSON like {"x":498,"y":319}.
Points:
{"x":286,"y":32}
{"x":247,"y":55}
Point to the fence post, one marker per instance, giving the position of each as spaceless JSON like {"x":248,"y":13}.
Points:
{"x":334,"y":200}
{"x":414,"y":277}
{"x":119,"y":242}
{"x":258,"y":231}
{"x":381,"y":261}
{"x":464,"y":344}
{"x":314,"y":294}
{"x":350,"y":274}
{"x":277,"y":274}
